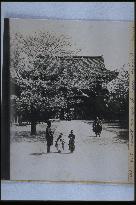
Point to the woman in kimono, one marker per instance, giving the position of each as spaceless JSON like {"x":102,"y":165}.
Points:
{"x":97,"y":126}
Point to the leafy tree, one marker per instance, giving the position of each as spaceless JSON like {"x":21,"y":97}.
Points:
{"x":34,"y":68}
{"x":119,"y":94}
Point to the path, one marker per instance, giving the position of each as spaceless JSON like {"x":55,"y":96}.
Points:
{"x":94,"y":159}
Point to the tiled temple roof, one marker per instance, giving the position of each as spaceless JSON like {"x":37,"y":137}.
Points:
{"x":91,"y":68}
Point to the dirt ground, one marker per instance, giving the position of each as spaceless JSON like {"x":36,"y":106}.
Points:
{"x":101,"y":159}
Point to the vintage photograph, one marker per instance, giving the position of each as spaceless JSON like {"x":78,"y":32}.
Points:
{"x":69,"y":100}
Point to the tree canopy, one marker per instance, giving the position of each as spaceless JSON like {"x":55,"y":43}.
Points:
{"x":49,"y":77}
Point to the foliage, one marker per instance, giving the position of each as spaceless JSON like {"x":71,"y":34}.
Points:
{"x":34,"y":67}
{"x":119,"y":94}
{"x":48,"y":82}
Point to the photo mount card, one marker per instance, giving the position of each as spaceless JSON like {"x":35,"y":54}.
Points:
{"x":71,"y":101}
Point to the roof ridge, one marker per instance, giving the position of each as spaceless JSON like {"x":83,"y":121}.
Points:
{"x":80,"y":56}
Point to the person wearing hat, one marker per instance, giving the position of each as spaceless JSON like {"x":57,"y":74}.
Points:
{"x":49,"y":136}
{"x":71,"y":144}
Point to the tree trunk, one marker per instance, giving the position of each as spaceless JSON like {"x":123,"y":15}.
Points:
{"x":33,"y":128}
{"x":20,"y":120}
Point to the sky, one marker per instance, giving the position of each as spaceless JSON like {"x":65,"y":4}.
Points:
{"x":94,"y":38}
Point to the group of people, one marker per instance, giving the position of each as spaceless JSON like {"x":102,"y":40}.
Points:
{"x":60,"y":142}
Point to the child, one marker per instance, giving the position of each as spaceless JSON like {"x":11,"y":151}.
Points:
{"x":60,"y":143}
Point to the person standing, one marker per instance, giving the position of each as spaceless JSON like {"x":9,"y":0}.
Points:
{"x":97,"y":126}
{"x":49,"y":136}
{"x":71,"y":144}
{"x":60,"y":143}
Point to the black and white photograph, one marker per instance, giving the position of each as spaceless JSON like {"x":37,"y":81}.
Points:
{"x":69,"y":100}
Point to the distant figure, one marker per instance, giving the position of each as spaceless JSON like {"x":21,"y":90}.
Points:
{"x":97,"y":126}
{"x":49,"y":136}
{"x":71,"y":141}
{"x":60,"y":143}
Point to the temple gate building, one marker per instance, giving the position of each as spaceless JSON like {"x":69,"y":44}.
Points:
{"x":80,"y":81}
